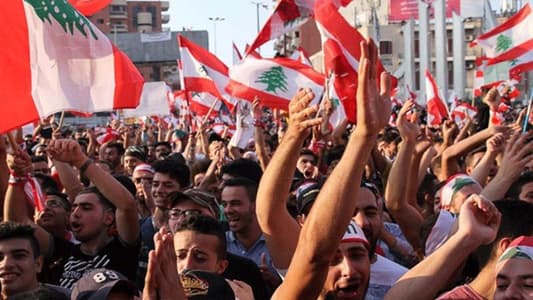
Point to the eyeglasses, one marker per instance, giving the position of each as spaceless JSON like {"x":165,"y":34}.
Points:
{"x":140,"y":179}
{"x":52,"y":203}
{"x":176,"y":214}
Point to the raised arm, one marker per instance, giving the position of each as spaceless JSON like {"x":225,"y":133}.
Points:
{"x":69,"y":179}
{"x":518,"y":152}
{"x":407,"y":216}
{"x":259,"y":136}
{"x":334,"y":205}
{"x":69,"y":151}
{"x":495,"y":145}
{"x":280,"y":229}
{"x":478,"y":224}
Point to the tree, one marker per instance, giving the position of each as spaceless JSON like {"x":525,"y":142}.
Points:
{"x":64,"y":14}
{"x":274,"y":79}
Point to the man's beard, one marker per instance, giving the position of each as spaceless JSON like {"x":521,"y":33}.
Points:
{"x":331,"y":294}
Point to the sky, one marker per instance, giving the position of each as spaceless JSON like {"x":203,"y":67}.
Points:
{"x":239,"y":26}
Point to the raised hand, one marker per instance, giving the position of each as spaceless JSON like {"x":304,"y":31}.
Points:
{"x":409,"y":131}
{"x":373,"y":103}
{"x":19,"y":162}
{"x":479,"y":220}
{"x":68,"y":151}
{"x":301,"y":116}
{"x":492,"y":98}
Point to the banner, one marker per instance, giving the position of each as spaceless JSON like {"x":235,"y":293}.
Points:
{"x":403,"y":10}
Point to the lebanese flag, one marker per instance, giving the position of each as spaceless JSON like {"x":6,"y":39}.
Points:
{"x":341,"y":82}
{"x":202,"y":71}
{"x":236,"y":54}
{"x":288,"y":16}
{"x":332,"y":25}
{"x":461,"y":111}
{"x":275,"y":81}
{"x":412,"y":94}
{"x":67,"y":65}
{"x":244,"y":129}
{"x":521,"y":64}
{"x":107,"y":136}
{"x":511,"y":38}
{"x":436,"y":108}
{"x":301,"y":55}
{"x":201,"y":103}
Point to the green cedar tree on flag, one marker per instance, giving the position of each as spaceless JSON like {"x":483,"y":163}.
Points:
{"x":56,"y":61}
{"x":274,"y":79}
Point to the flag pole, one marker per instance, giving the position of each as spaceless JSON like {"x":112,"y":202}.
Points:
{"x":209,"y":111}
{"x":61,"y":121}
{"x":528,"y":112}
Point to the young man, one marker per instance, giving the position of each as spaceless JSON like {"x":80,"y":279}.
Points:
{"x":112,"y":153}
{"x":103,"y":218}
{"x":20,"y":260}
{"x":133,"y":156}
{"x":142,"y":177}
{"x":514,"y":271}
{"x":245,"y":237}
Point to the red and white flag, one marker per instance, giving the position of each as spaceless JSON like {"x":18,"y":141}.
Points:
{"x":436,"y":108}
{"x":202,"y":104}
{"x":154,"y":101}
{"x":275,"y":81}
{"x":341,"y":83}
{"x":202,"y":71}
{"x":509,"y":39}
{"x":461,"y":111}
{"x":411,"y":95}
{"x":287,"y":16}
{"x":301,"y":55}
{"x":237,"y":57}
{"x":54,"y":59}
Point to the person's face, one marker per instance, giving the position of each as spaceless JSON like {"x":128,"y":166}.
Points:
{"x":305,"y":165}
{"x":514,"y":279}
{"x":151,"y":153}
{"x":89,"y":219}
{"x":178,"y":212}
{"x":368,"y":216}
{"x":40,"y":167}
{"x":238,"y":208}
{"x":198,"y":251}
{"x":526,"y":193}
{"x":161,"y":152}
{"x":110,"y":154}
{"x":391,"y":149}
{"x":54,"y":215}
{"x":40,"y":151}
{"x":142,"y":179}
{"x":162,"y":185}
{"x":18,"y":266}
{"x":460,"y":196}
{"x":130,"y":162}
{"x":348,"y":273}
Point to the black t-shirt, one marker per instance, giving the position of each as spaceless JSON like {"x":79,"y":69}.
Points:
{"x":115,"y":256}
{"x":244,"y":269}
{"x":53,"y":264}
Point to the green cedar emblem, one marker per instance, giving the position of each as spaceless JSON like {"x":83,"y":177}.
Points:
{"x":64,"y":14}
{"x":334,"y":103}
{"x":274,"y":79}
{"x":514,"y":253}
{"x":503,"y":43}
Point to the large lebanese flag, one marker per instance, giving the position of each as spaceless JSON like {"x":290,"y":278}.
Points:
{"x":275,"y":81}
{"x":202,"y":71}
{"x":511,"y":38}
{"x":436,"y":108}
{"x":50,"y":66}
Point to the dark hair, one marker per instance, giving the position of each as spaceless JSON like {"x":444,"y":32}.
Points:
{"x":46,"y":182}
{"x":249,"y":185}
{"x":516,"y":188}
{"x":10,"y":230}
{"x":103,"y":200}
{"x":127,"y":183}
{"x":245,"y":168}
{"x":35,"y":159}
{"x":43,"y":292}
{"x":205,"y":225}
{"x":175,"y":170}
{"x":306,"y":151}
{"x":118,"y":146}
{"x":517,"y":220}
{"x":163,"y":143}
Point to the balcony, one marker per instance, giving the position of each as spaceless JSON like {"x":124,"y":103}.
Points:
{"x":119,"y":28}
{"x":165,"y":5}
{"x":165,"y":19}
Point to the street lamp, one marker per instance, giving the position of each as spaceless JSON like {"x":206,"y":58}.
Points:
{"x":257,"y":4}
{"x":215,"y":20}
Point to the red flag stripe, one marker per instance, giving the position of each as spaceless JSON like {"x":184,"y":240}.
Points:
{"x":196,"y":84}
{"x":128,"y":82}
{"x":242,"y":91}
{"x":203,"y":56}
{"x":299,"y":67}
{"x":510,"y":23}
{"x":512,"y":53}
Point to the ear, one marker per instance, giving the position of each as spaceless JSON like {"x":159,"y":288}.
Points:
{"x":502,"y":245}
{"x":109,"y":217}
{"x":39,"y":263}
{"x":221,"y":266}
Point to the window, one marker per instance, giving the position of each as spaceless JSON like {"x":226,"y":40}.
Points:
{"x":385,"y":47}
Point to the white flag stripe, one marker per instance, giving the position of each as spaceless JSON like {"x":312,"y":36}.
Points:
{"x":154,"y":101}
{"x":194,"y":68}
{"x":51,"y":68}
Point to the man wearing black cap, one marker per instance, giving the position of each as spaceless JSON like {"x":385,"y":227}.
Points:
{"x":104,"y":284}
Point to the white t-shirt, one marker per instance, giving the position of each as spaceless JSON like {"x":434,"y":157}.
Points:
{"x":383,"y":274}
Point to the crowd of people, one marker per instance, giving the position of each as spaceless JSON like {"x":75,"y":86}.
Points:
{"x":363,"y":211}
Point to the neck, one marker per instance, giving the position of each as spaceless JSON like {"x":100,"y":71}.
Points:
{"x":93,"y":246}
{"x":483,"y":284}
{"x":249,"y":235}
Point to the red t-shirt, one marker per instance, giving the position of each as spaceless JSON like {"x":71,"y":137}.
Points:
{"x":461,"y":292}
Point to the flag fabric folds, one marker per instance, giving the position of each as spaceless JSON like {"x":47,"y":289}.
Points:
{"x":436,"y":108}
{"x":57,"y":60}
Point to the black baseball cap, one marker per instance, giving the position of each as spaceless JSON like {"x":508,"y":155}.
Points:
{"x":98,"y":283}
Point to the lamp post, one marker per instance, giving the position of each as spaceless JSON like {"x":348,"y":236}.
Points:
{"x":257,"y":5}
{"x":215,"y":20}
